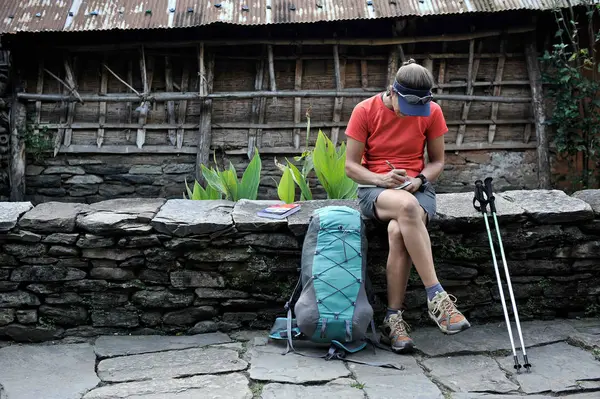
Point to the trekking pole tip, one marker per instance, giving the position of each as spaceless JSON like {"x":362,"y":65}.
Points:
{"x":527,"y":365}
{"x":517,"y":365}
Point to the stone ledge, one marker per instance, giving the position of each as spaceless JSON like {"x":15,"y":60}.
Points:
{"x":183,"y":218}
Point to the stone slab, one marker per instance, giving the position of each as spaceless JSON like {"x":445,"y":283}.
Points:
{"x":53,"y":217}
{"x":458,"y":207}
{"x":111,"y":346}
{"x":170,"y":364}
{"x":550,"y":206}
{"x":556,"y":368}
{"x":182,"y":218}
{"x":143,"y":207}
{"x":467,"y":395}
{"x":268,"y":364}
{"x":586,"y":341}
{"x":340,"y":388}
{"x":104,"y":222}
{"x":245,"y":217}
{"x":10,"y":213}
{"x":298,"y":222}
{"x":470,"y":374}
{"x":489,"y":337}
{"x":385,"y":383}
{"x":225,"y":386}
{"x":48,"y":372}
{"x":592,"y":197}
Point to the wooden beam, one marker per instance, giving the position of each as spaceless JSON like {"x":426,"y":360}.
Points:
{"x":40,"y":90}
{"x":272,"y":71}
{"x":202,"y":82}
{"x":471,"y":77}
{"x":364,"y":71}
{"x":205,"y":133}
{"x":102,"y":110}
{"x":237,"y":95}
{"x":510,"y":145}
{"x":311,"y":57}
{"x":16,"y":175}
{"x":126,"y":149}
{"x":270,"y":125}
{"x":497,"y":91}
{"x":539,"y":113}
{"x":442,"y":75}
{"x":387,"y":41}
{"x":340,"y":80}
{"x":392,"y":66}
{"x":172,"y":133}
{"x":185,"y":78}
{"x":297,"y":100}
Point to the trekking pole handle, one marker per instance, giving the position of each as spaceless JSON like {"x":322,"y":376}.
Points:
{"x":490,"y":194}
{"x":479,"y":197}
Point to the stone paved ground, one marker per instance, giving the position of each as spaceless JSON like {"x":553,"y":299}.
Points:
{"x":474,"y":364}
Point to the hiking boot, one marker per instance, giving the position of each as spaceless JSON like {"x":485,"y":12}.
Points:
{"x":394,"y":333}
{"x":443,"y":311}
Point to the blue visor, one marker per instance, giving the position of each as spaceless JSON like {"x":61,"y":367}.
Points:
{"x":413,"y":102}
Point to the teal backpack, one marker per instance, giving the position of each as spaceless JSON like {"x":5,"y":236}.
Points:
{"x":333,"y":306}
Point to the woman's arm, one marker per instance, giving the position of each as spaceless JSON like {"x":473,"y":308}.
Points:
{"x":436,"y":149}
{"x":357,"y":172}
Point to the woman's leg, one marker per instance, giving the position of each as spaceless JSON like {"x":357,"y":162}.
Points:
{"x":398,"y":267}
{"x":403,"y":210}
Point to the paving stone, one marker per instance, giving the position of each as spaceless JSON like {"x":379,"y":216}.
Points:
{"x":465,"y":395}
{"x":110,"y":346}
{"x":557,"y":368}
{"x":267,"y":364}
{"x":48,"y":372}
{"x":383,"y":383}
{"x":171,"y":364}
{"x":470,"y":374}
{"x":184,"y":217}
{"x":587,"y":341}
{"x":489,"y":337}
{"x":341,"y":388}
{"x":226,"y":386}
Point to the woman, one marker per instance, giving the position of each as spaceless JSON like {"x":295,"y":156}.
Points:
{"x":387,"y":135}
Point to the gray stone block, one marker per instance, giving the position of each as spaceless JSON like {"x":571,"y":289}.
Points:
{"x":185,"y":217}
{"x":10,"y":213}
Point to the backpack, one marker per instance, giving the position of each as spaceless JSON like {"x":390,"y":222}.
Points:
{"x":333,"y":306}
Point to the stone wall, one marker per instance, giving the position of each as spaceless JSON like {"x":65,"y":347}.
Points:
{"x":178,"y":266}
{"x":92,"y":178}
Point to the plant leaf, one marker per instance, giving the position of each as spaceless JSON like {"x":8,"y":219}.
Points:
{"x":286,"y":189}
{"x":301,"y":181}
{"x":213,"y":179}
{"x":251,"y":178}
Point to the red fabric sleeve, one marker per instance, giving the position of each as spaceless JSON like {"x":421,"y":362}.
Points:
{"x":437,"y":126}
{"x":357,"y":128}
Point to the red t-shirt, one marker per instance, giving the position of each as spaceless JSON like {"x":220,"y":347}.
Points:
{"x":387,"y":137}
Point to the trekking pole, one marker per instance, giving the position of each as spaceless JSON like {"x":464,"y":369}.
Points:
{"x":479,"y":197}
{"x":491,"y":199}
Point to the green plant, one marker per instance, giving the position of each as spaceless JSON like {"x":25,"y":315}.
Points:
{"x":37,"y":140}
{"x":570,"y":72}
{"x":330,"y":167}
{"x":225,"y":183}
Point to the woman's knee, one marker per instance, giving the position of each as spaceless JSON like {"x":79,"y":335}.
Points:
{"x":409,"y":208}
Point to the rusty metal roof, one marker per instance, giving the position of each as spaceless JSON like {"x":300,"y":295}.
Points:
{"x":88,"y":15}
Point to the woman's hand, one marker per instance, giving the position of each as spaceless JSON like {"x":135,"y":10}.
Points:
{"x":393,"y":178}
{"x":414,"y":186}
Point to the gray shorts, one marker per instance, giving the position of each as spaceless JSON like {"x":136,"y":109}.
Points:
{"x":367,"y":196}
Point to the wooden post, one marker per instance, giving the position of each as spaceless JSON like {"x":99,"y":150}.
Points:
{"x":497,"y":90}
{"x":205,"y":134}
{"x":102,"y":111}
{"x":539,"y":113}
{"x":471,"y":77}
{"x":298,"y":100}
{"x":272,"y":71}
{"x":129,"y":103}
{"x":40,"y":90}
{"x":18,"y":120}
{"x":256,"y":108}
{"x":147,"y":72}
{"x":185,"y":78}
{"x":392,"y":65}
{"x":170,"y":104}
{"x":340,"y":78}
{"x":364,"y":71}
{"x":442,"y":75}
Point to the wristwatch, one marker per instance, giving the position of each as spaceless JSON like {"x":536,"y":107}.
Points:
{"x":424,"y":181}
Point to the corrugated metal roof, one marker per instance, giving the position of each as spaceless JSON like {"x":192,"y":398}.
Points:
{"x":86,"y":15}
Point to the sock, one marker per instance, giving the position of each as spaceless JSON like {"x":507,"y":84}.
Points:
{"x":434,"y":289}
{"x":390,"y":312}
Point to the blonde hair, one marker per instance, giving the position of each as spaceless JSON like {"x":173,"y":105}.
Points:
{"x":414,"y":76}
